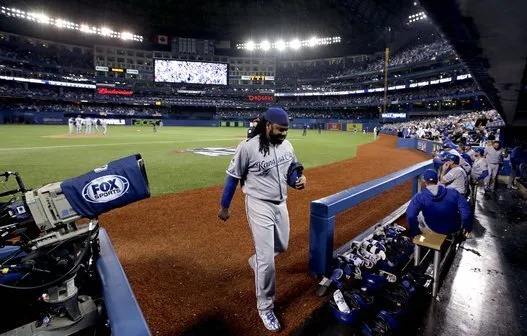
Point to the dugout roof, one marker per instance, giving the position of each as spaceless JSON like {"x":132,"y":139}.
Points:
{"x":490,"y":37}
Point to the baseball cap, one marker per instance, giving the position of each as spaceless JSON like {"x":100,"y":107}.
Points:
{"x":277,"y":115}
{"x":452,"y":157}
{"x":430,"y":175}
{"x":479,"y":150}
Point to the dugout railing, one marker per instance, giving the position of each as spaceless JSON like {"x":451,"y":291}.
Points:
{"x":323,"y":212}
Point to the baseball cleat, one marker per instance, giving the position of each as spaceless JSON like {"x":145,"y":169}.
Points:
{"x":251,"y":262}
{"x":269,"y":320}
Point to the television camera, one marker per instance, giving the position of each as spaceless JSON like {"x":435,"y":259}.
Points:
{"x":49,"y":247}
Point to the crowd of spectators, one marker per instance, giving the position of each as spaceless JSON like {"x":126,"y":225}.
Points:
{"x":92,"y":109}
{"x":39,"y":91}
{"x":48,"y":56}
{"x":306,"y":114}
{"x":436,"y":92}
{"x":473,"y":127}
{"x":412,"y":55}
{"x":14,"y":89}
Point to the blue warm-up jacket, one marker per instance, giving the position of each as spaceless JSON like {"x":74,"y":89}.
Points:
{"x":443,"y":212}
{"x":467,"y":158}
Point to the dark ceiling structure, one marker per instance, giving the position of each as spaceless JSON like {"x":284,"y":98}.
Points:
{"x":491,"y":38}
{"x":362,"y":24}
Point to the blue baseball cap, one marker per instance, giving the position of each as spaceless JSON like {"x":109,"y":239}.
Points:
{"x":479,"y":150}
{"x":277,"y":115}
{"x":430,"y":175}
{"x":452,"y":157}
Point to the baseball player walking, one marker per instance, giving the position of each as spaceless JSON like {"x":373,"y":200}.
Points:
{"x":104,"y":125}
{"x":480,"y":170}
{"x":96,"y":123}
{"x":88,"y":122}
{"x":71,"y":124}
{"x":79,"y":122}
{"x":494,"y":155}
{"x":263,"y":165}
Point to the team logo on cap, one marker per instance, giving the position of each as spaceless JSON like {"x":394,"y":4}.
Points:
{"x":105,"y":189}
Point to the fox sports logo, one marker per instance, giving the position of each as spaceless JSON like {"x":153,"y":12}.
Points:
{"x":105,"y":189}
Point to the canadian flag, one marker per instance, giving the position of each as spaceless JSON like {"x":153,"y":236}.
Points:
{"x":162,"y":39}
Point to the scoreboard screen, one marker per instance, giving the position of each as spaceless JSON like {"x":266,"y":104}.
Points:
{"x":172,"y":71}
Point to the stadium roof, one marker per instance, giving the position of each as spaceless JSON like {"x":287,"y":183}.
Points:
{"x":362,"y":24}
{"x":491,"y":38}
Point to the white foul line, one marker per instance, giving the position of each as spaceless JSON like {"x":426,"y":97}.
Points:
{"x":118,"y":144}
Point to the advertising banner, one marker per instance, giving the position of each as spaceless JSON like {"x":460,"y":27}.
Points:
{"x":334,"y":126}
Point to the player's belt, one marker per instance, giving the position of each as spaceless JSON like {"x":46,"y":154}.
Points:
{"x":274,"y":202}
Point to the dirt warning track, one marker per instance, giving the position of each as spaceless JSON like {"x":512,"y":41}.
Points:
{"x":189,"y":270}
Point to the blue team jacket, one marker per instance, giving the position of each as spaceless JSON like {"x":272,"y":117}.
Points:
{"x":517,"y":156}
{"x":443,"y":212}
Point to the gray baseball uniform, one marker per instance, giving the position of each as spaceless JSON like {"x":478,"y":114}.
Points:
{"x":264,"y":182}
{"x":71,"y":125}
{"x":494,"y":158}
{"x":456,"y":179}
{"x":479,"y":166}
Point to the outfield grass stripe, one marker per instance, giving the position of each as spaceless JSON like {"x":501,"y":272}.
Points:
{"x":113,"y":144}
{"x":117,"y":144}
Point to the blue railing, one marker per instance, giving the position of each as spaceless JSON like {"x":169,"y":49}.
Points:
{"x":124,"y":314}
{"x":324,"y":210}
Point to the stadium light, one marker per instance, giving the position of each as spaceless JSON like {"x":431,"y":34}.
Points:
{"x":105,"y":31}
{"x":62,"y":23}
{"x":417,"y":17}
{"x":86,"y":29}
{"x":280,"y":45}
{"x":294,"y":44}
{"x":266,"y":45}
{"x":251,"y":45}
{"x":127,"y":36}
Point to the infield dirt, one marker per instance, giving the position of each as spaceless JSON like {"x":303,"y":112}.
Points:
{"x":189,"y":270}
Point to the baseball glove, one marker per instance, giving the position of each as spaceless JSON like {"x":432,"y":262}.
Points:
{"x":294,"y":173}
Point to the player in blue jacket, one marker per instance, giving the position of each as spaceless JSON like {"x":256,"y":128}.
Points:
{"x":444,"y":210}
{"x":517,"y":158}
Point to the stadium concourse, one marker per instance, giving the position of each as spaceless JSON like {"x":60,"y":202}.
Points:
{"x":202,"y":283}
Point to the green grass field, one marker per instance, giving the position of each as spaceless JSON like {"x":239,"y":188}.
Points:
{"x":41,"y":160}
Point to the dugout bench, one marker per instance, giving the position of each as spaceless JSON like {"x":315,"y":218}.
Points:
{"x":441,"y":245}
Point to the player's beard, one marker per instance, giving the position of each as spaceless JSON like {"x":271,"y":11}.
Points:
{"x":276,"y":138}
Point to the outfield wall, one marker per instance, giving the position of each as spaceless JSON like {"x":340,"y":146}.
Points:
{"x":59,"y":118}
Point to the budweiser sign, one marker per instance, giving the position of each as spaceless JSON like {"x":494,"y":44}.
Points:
{"x":259,"y":98}
{"x":118,"y":92}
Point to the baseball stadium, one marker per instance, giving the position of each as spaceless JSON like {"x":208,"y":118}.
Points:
{"x":341,"y":167}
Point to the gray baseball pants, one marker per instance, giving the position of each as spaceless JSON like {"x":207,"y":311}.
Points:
{"x":269,"y":224}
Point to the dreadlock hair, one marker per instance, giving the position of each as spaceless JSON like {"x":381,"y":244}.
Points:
{"x":260,"y":129}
